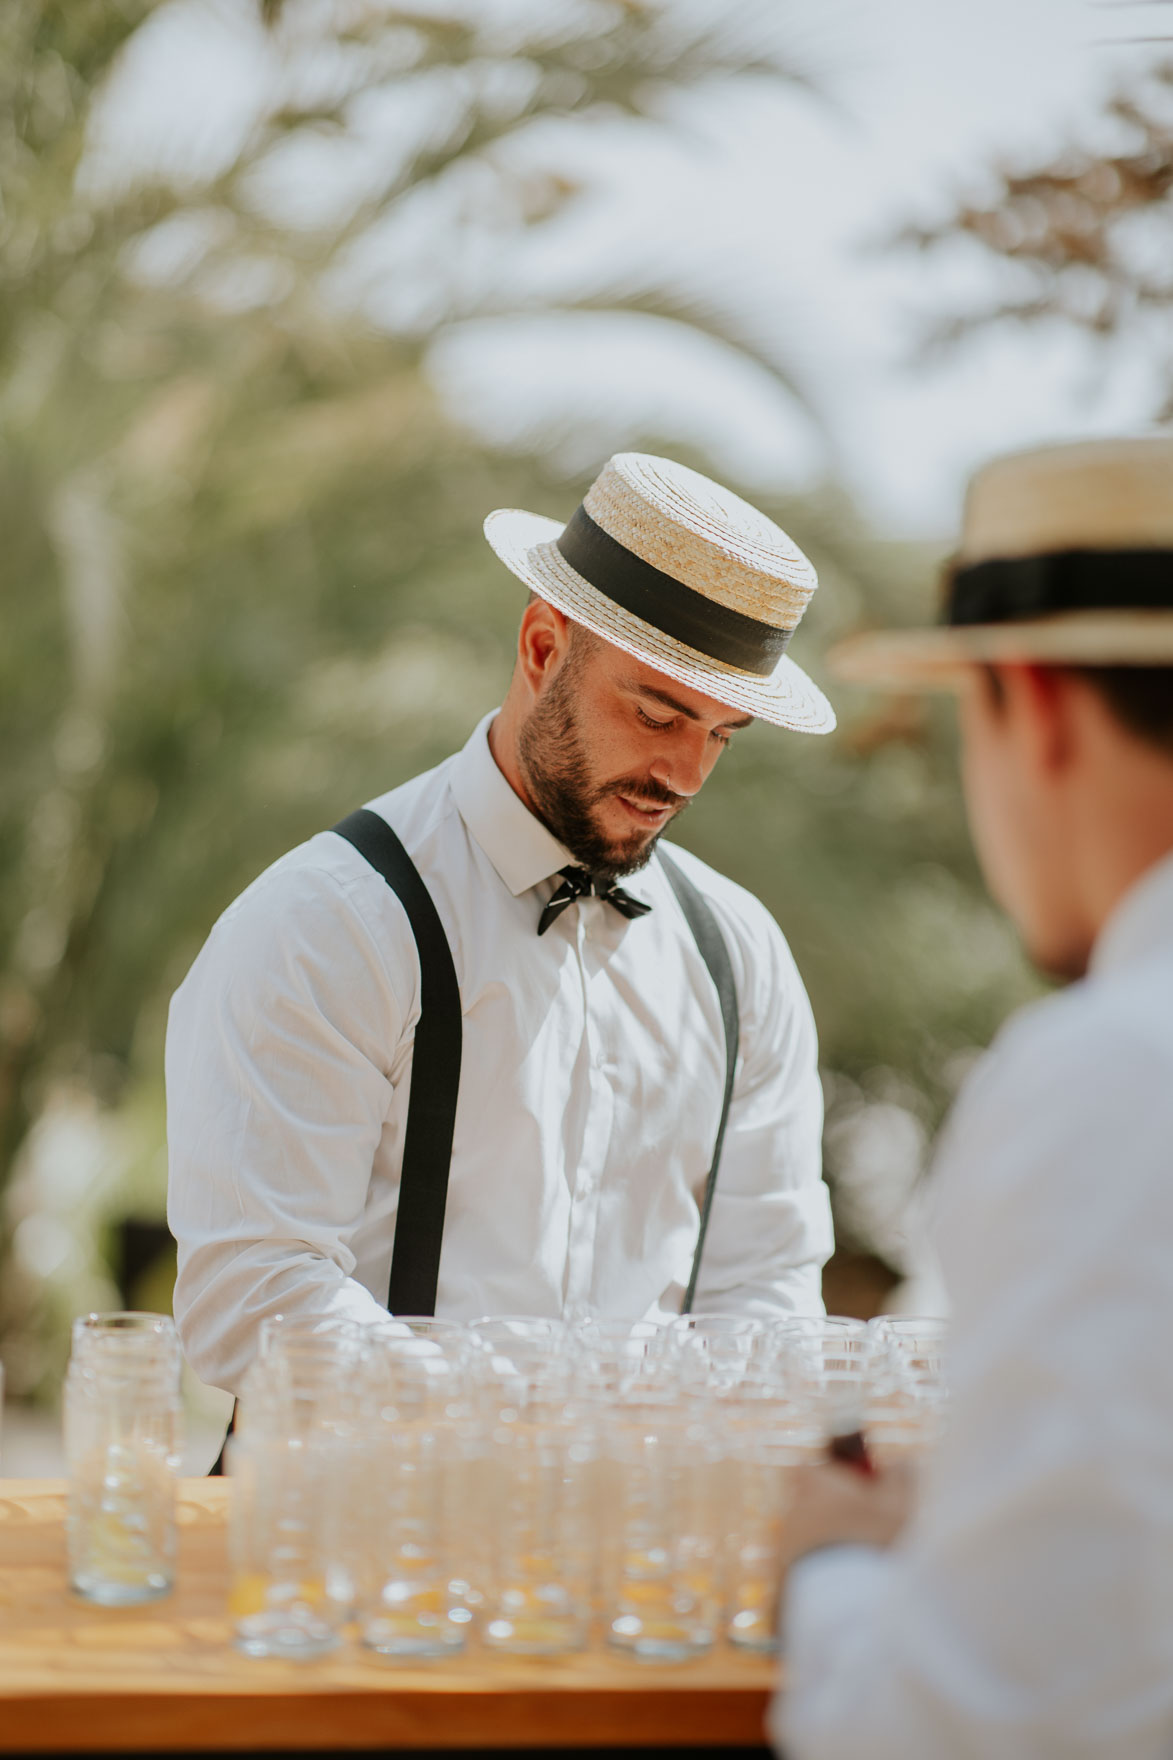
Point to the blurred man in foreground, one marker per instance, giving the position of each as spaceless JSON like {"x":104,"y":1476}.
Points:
{"x":1026,"y":1608}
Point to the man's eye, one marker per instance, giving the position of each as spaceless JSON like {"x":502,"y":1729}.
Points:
{"x":648,"y":722}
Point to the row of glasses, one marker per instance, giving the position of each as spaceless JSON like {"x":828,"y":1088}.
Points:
{"x":534,"y":1483}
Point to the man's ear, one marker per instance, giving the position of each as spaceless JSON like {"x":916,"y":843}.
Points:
{"x":1038,"y":701}
{"x":542,"y":644}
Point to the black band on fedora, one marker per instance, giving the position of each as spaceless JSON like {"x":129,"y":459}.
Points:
{"x":1067,"y":580}
{"x":667,"y":604}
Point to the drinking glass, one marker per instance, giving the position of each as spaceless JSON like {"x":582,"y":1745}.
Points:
{"x":292,"y":1585}
{"x":539,"y":1500}
{"x":714,"y":1350}
{"x":299,"y":1538}
{"x":661,"y":1527}
{"x":125,"y":1330}
{"x":507,"y":1331}
{"x":452,"y":1335}
{"x":770,"y":1436}
{"x":416,"y":1598}
{"x":637,"y":1337}
{"x":909,"y":1389}
{"x":704,"y":1331}
{"x":912,"y":1343}
{"x":123,"y":1442}
{"x":282,"y":1334}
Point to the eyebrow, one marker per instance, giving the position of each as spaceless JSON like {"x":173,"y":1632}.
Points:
{"x":671,"y":702}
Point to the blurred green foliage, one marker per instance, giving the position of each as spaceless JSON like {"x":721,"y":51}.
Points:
{"x":247,"y":587}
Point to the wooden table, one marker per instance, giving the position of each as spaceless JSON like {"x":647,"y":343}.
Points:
{"x":164,"y":1678}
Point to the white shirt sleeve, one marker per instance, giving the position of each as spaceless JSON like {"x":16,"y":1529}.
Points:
{"x":770,"y":1228}
{"x":1027,"y":1614}
{"x":280,"y":1051}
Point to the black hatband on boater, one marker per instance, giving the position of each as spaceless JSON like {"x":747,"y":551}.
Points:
{"x":669,"y":605}
{"x":1005,"y":591}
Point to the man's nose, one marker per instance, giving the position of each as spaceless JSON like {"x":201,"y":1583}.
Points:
{"x":684,"y":768}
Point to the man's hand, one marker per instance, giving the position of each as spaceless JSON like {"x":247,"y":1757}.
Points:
{"x":834,"y":1504}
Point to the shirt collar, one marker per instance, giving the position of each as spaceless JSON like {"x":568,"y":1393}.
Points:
{"x":1141,"y":923}
{"x":518,"y":845}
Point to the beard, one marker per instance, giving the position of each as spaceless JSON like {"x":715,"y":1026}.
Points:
{"x":553,"y":759}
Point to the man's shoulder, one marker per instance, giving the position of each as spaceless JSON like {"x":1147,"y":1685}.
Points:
{"x":763,"y":966}
{"x":1087,"y":1067}
{"x":417,"y":808}
{"x":328,"y":866}
{"x":736,"y":908}
{"x":1102,"y":1021}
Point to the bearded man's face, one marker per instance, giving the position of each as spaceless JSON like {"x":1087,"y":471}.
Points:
{"x":612,"y":751}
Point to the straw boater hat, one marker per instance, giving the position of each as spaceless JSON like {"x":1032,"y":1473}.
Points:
{"x":685,"y":576}
{"x":1066,"y":559}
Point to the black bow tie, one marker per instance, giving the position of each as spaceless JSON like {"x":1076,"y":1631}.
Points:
{"x":577,"y":883}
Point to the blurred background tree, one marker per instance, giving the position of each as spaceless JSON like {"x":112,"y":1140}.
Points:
{"x":1082,"y":242}
{"x":249,"y":587}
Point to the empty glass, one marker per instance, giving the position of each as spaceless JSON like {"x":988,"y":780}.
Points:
{"x":123,"y":1440}
{"x":416,"y":1599}
{"x":299,"y":1539}
{"x":908,"y":1402}
{"x":539,"y":1500}
{"x":660,"y":1527}
{"x":769,"y":1437}
{"x":292,"y":1588}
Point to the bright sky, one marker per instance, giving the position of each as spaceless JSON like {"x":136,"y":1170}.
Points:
{"x":767,"y":206}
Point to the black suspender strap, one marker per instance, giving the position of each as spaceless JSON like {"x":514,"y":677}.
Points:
{"x":715,"y":954}
{"x":435,"y":1073}
{"x":435,"y":1078}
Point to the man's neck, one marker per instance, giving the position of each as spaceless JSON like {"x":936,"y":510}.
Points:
{"x":504,"y":730}
{"x":1126,"y":828}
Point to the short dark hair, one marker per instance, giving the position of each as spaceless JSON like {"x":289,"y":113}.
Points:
{"x":1139,"y":697}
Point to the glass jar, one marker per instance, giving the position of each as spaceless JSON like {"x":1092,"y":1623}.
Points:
{"x":123,"y":1440}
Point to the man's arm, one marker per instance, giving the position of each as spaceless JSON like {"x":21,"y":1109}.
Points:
{"x":283,"y":1047}
{"x":1027,"y":1612}
{"x":770,"y":1228}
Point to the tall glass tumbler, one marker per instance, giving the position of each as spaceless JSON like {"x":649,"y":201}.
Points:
{"x":298,"y":1538}
{"x":416,"y":1600}
{"x":292,"y":1587}
{"x":770,"y":1436}
{"x":661,"y":1527}
{"x":123,"y":1440}
{"x":539,"y":1501}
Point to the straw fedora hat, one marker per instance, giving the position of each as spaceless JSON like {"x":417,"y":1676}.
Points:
{"x":683,"y":575}
{"x":1066,"y":559}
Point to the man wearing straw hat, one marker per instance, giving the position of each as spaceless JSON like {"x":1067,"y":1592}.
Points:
{"x":1026,"y":1609}
{"x":444,"y":1039}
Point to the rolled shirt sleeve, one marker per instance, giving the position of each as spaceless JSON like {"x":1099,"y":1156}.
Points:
{"x":280,"y":1062}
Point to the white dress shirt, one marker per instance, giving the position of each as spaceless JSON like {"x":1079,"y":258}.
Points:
{"x":1028,"y":1610}
{"x":590,"y":1092}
